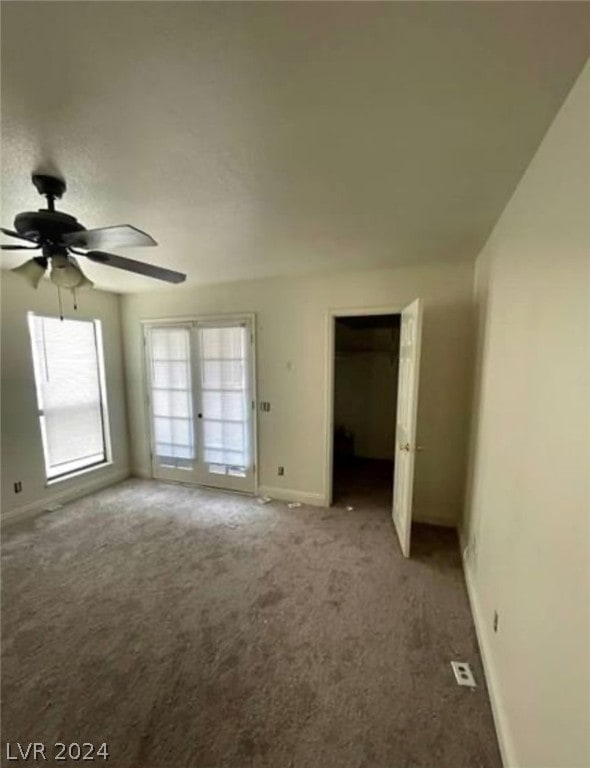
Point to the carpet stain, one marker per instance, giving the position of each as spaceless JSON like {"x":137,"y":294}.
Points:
{"x":270,"y":598}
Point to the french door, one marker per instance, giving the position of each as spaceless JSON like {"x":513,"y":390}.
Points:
{"x":201,"y":393}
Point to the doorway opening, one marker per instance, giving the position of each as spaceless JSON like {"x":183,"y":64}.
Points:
{"x":366,"y":366}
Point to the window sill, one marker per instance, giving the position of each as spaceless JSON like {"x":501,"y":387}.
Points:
{"x":77,"y":473}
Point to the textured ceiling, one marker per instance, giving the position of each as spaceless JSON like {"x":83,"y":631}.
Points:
{"x":261,"y":139}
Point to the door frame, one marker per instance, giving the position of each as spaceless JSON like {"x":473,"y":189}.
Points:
{"x":331,"y":316}
{"x":227,"y":317}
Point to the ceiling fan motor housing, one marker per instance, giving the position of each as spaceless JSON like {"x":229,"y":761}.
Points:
{"x":46,"y":226}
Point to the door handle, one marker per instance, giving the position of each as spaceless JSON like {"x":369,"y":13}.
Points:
{"x":407,"y":447}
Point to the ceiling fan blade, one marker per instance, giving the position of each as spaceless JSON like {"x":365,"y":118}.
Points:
{"x":10,"y":233}
{"x":20,"y":247}
{"x":109,"y":237}
{"x":139,"y":267}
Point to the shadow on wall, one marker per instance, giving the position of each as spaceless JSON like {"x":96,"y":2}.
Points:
{"x":444,"y":409}
{"x":470,"y":523}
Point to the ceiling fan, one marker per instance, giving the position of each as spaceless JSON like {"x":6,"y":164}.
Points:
{"x":59,"y":236}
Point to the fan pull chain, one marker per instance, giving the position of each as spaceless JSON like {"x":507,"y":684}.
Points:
{"x":61,"y":313}
{"x":75,"y":302}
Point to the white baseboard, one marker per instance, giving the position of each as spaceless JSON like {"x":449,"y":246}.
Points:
{"x":288,"y":494}
{"x":18,"y":514}
{"x":498,"y":712}
{"x":282,"y":494}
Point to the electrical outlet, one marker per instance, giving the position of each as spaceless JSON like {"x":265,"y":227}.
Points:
{"x":265,"y":406}
{"x":281,"y":471}
{"x":496,"y":621}
{"x":18,"y":486}
{"x":463,"y":673}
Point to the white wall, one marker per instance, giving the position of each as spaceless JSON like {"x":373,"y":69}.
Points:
{"x":365,"y":388}
{"x":22,"y":451}
{"x":528,"y":507}
{"x":292,"y":354}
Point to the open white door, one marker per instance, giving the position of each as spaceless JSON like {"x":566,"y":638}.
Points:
{"x":407,"y":410}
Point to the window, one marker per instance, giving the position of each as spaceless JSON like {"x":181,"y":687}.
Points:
{"x":69,"y":374}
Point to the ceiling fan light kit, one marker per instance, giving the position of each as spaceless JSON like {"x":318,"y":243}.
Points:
{"x":59,"y":235}
{"x":64,"y":273}
{"x":32,"y":271}
{"x":84,"y":281}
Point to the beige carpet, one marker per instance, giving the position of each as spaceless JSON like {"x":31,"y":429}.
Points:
{"x":196,"y":628}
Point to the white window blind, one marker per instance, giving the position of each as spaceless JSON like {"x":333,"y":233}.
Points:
{"x":67,"y":357}
{"x":172,"y":409}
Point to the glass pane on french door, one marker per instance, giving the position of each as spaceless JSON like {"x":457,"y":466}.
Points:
{"x":171,"y":384}
{"x":225,"y":405}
